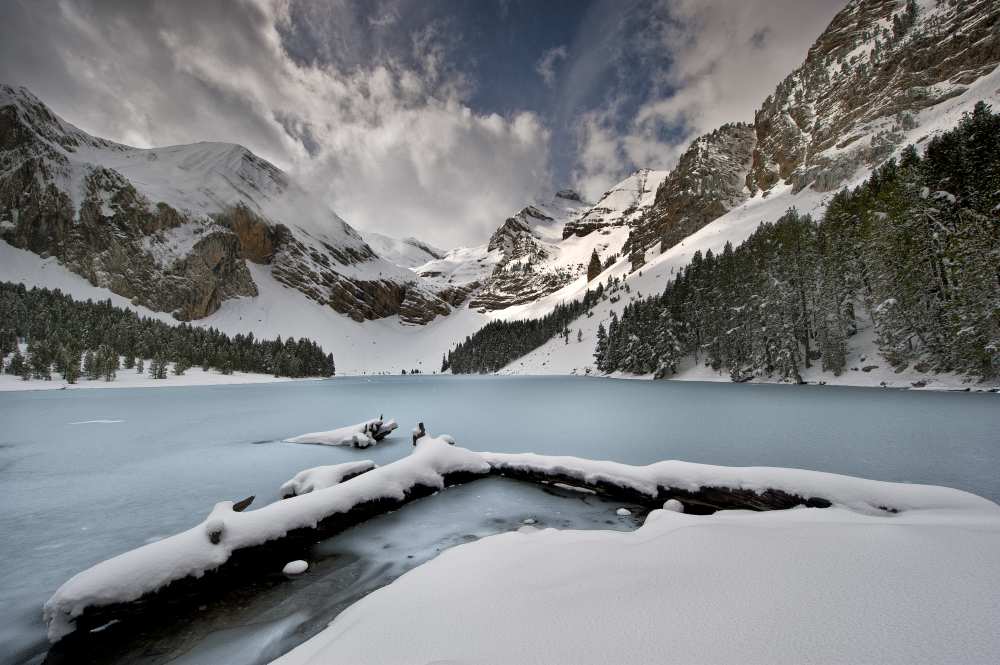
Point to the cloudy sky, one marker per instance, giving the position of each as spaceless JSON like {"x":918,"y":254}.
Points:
{"x":433,"y":118}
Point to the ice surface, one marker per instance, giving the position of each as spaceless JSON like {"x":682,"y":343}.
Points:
{"x":208,"y":545}
{"x":78,"y":494}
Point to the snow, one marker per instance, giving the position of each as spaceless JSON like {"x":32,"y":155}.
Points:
{"x":387,"y":346}
{"x":673,"y":505}
{"x":129,"y":576}
{"x":869,"y":497}
{"x":296,"y":567}
{"x":844,"y":584}
{"x":556,"y":357}
{"x":623,"y":512}
{"x":128,"y":378}
{"x":404,"y":252}
{"x":359,"y":435}
{"x":321,"y":477}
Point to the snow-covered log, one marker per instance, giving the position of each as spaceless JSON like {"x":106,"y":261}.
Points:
{"x":321,"y":477}
{"x":237,"y":544}
{"x":244,"y":543}
{"x":361,"y":435}
{"x":704,"y":488}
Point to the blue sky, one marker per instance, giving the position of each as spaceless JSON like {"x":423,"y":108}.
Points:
{"x":432,"y":118}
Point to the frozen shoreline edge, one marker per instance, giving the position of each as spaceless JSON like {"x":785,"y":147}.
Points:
{"x":180,"y":566}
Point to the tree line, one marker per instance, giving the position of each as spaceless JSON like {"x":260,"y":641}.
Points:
{"x":499,"y":342}
{"x":97,"y":339}
{"x":915,"y":250}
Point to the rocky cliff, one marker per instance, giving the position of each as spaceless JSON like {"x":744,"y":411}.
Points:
{"x":863,"y":85}
{"x":867,"y":78}
{"x":709,"y":180}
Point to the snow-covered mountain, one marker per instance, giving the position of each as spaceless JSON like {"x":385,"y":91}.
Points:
{"x":218,"y":236}
{"x":545,"y":246}
{"x":881,"y":77}
{"x":173,"y":228}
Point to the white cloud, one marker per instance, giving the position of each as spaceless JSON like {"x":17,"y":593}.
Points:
{"x":546,"y":67}
{"x":392,"y":145}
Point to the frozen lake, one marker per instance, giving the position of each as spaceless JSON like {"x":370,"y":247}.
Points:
{"x":87,"y":474}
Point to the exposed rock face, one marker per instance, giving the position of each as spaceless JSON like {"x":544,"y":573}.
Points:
{"x":257,"y":238}
{"x":708,"y":181}
{"x":866,"y":77}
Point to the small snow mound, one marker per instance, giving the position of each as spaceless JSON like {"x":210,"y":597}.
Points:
{"x":321,"y":477}
{"x":296,"y":567}
{"x":674,"y":505}
{"x":448,"y":438}
{"x":530,"y":520}
{"x":623,"y":512}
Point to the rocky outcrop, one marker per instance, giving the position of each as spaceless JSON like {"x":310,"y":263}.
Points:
{"x":708,"y":181}
{"x":526,"y":244}
{"x":624,"y":204}
{"x":864,"y":80}
{"x":258,"y":239}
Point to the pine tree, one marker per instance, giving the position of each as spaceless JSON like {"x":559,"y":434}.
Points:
{"x":70,"y":365}
{"x":90,"y":365}
{"x":601,"y":349}
{"x":17,"y":363}
{"x":594,"y":267}
{"x":140,"y":366}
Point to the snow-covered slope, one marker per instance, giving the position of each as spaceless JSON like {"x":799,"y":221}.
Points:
{"x":234,"y":244}
{"x":404,"y":252}
{"x":736,"y":225}
{"x":544,"y":246}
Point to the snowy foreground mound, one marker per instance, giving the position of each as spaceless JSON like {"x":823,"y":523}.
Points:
{"x":889,"y":573}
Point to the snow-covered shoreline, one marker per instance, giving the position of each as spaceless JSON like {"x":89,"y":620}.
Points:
{"x":209,"y":545}
{"x":127,"y":378}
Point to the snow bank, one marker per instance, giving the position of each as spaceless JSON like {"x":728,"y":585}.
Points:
{"x":792,"y":586}
{"x":361,"y":435}
{"x":321,"y":477}
{"x":191,"y":553}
